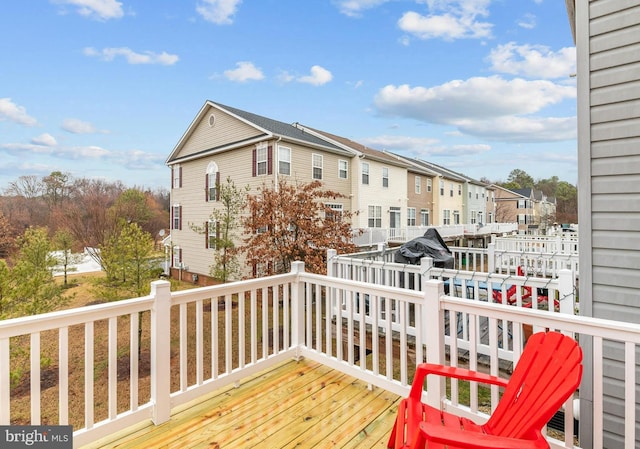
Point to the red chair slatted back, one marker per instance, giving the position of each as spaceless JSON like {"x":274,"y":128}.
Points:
{"x":547,"y":374}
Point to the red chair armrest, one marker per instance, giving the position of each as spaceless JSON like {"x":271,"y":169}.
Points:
{"x":425,"y":369}
{"x":460,"y":438}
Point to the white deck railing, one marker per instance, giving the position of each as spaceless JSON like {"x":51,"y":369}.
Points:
{"x":228,"y":332}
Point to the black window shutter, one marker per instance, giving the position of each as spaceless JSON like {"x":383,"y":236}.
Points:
{"x":206,"y":187}
{"x":217,"y":186}
{"x":253,"y":165}
{"x":206,"y":234}
{"x":180,"y":176}
{"x":269,"y":160}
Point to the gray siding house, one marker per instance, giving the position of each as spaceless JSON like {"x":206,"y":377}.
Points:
{"x":607,"y":35}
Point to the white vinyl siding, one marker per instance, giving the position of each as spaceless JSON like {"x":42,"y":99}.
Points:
{"x":608,"y":54}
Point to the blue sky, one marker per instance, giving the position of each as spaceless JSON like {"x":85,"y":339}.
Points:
{"x":106,"y":88}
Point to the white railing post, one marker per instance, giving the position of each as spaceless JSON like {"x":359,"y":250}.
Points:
{"x":566,"y":283}
{"x":426,"y":263}
{"x":161,"y":351}
{"x":331,"y":300}
{"x":491,"y":257}
{"x":331,"y":254}
{"x":5,"y":382}
{"x":297,"y":308}
{"x":434,"y":338}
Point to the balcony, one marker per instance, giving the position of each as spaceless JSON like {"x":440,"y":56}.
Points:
{"x":233,"y":342}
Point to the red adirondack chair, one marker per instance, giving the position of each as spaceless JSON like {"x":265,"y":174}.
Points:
{"x":547,"y":374}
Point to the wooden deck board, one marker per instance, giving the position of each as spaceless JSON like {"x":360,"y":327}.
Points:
{"x":295,"y":404}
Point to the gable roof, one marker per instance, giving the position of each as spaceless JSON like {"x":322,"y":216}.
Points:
{"x":270,"y":129}
{"x":356,"y":148}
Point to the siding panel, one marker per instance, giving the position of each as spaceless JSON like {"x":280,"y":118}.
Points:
{"x":615,"y":57}
{"x":616,"y":111}
{"x":615,"y":148}
{"x":616,"y":93}
{"x":615,"y":75}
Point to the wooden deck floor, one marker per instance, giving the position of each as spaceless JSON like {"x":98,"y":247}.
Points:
{"x":295,"y":404}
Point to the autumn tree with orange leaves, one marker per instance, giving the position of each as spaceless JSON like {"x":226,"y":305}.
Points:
{"x":292,"y":222}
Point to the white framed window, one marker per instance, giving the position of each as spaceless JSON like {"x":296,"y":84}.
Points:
{"x":284,"y":160}
{"x":473,"y":217}
{"x":446,"y":217}
{"x":262,"y":158}
{"x":375,"y":216}
{"x":177,"y":257}
{"x":456,"y":217}
{"x":335,"y":211}
{"x":429,"y":184}
{"x":480,"y":216}
{"x":418,"y":184}
{"x":212,"y":234}
{"x":411,"y":216}
{"x":365,"y":173}
{"x":385,"y":177}
{"x":441,"y":188}
{"x":316,"y":165}
{"x":212,"y":181}
{"x":459,"y":189}
{"x":450,"y":189}
{"x":176,"y":175}
{"x":424,"y":217}
{"x":343,"y":169}
{"x":176,"y":217}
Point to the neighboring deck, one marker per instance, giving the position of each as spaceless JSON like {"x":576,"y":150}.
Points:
{"x":294,"y":404}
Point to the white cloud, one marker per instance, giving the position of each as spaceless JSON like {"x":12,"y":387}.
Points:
{"x":45,"y":139}
{"x":522,"y":129}
{"x":480,"y":106}
{"x":354,"y":8}
{"x":398,"y":143}
{"x":76,"y":126}
{"x":528,"y":21}
{"x":244,"y":71}
{"x":148,"y":57}
{"x":534,"y":61}
{"x":449,"y":20}
{"x":138,"y":159}
{"x":220,"y":12}
{"x":14,"y":113}
{"x":318,"y":76}
{"x":96,"y":9}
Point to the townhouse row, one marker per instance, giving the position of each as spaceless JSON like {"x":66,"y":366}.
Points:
{"x":387,"y":190}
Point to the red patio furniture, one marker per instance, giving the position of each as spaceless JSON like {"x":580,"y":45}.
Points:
{"x":547,"y":374}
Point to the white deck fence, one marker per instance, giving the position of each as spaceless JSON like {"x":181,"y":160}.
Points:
{"x":227,"y":332}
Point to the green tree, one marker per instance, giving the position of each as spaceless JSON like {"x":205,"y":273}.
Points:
{"x":291,"y":222}
{"x":63,"y":244}
{"x":126,"y":259}
{"x":566,"y":203}
{"x":221,"y":230}
{"x":34,"y":289}
{"x":518,"y":179}
{"x":5,"y":290}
